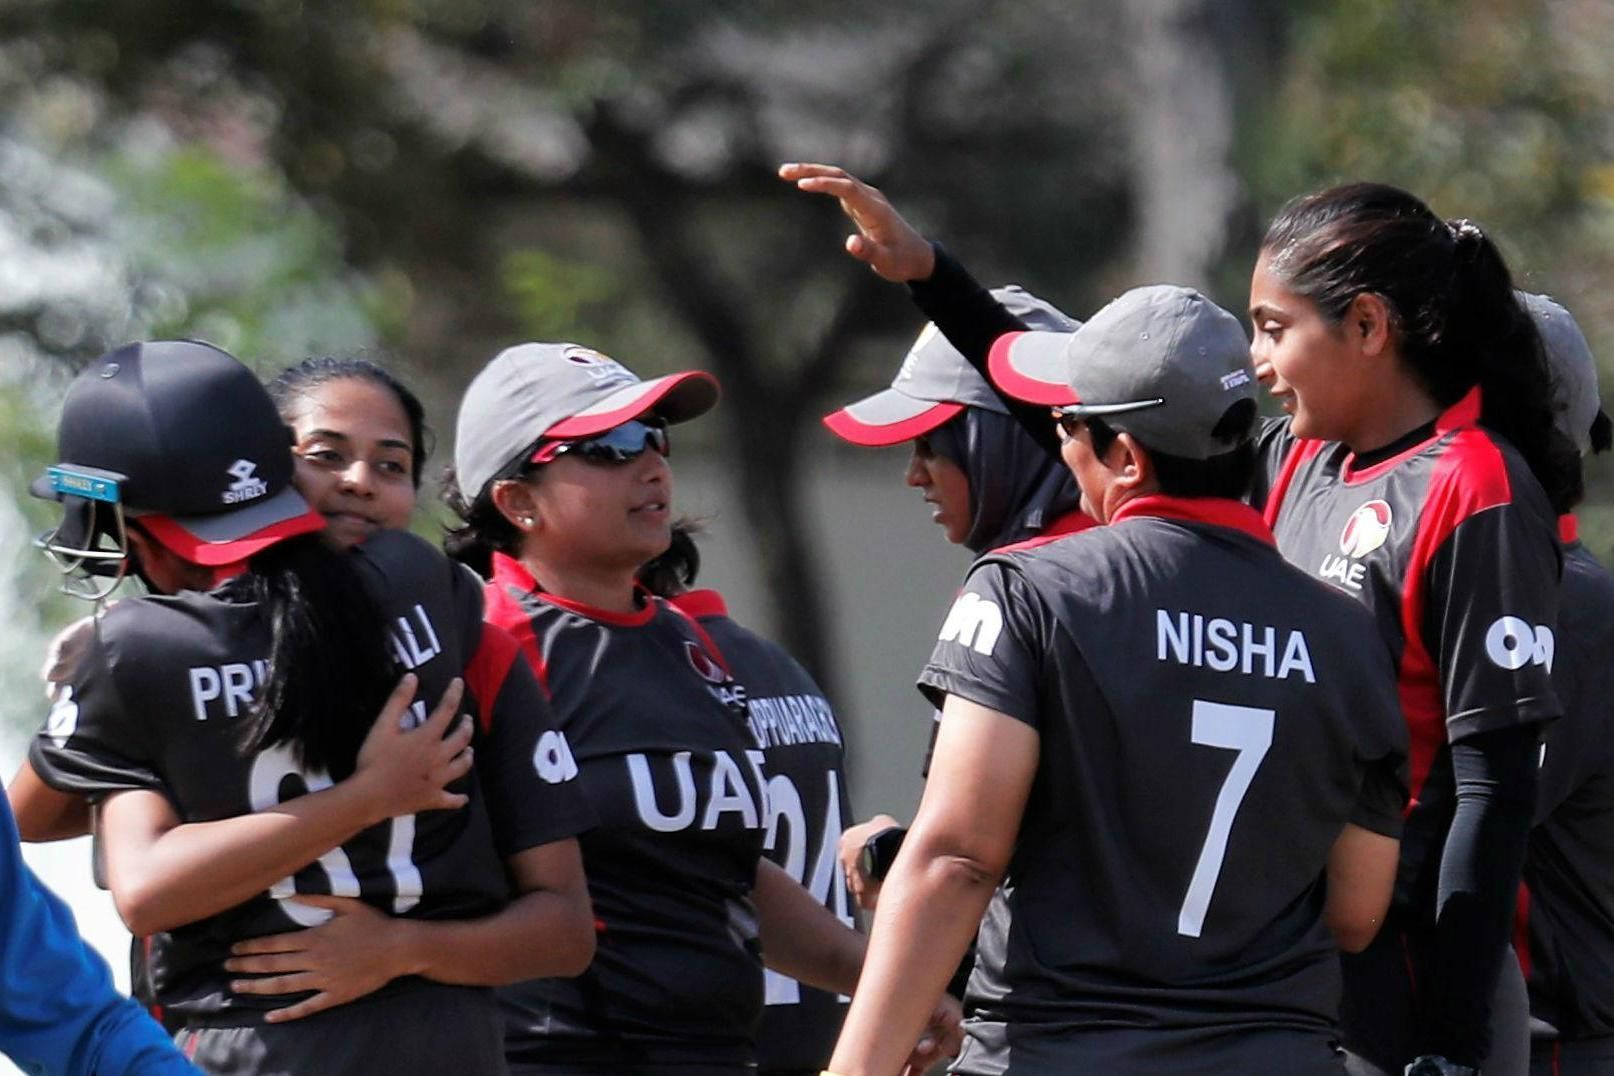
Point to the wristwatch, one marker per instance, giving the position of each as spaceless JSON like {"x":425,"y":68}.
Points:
{"x":1435,"y":1065}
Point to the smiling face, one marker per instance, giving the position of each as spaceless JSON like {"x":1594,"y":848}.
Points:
{"x":1306,"y":361}
{"x":946,"y":488}
{"x":354,"y":458}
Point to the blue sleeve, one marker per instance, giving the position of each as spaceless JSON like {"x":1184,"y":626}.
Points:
{"x":59,"y":1012}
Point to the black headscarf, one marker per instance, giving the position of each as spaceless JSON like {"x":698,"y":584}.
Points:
{"x":1016,"y":488}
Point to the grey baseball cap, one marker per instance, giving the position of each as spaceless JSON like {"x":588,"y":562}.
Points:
{"x":1162,"y":363}
{"x":534,"y":392}
{"x":934,"y":382}
{"x":1571,"y":366}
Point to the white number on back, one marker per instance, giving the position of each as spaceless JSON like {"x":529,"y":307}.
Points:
{"x":1248,"y":731}
{"x":824,"y":883}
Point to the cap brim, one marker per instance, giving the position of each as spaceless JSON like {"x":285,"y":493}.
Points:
{"x":675,"y":398}
{"x":1032,"y":366}
{"x":230,"y":537}
{"x":889,"y":417}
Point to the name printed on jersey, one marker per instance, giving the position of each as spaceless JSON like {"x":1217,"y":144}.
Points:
{"x":227,"y":690}
{"x":786,"y":720}
{"x":726,"y":791}
{"x":1229,"y":646}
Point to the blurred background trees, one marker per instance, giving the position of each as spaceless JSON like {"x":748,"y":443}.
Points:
{"x":440,"y":178}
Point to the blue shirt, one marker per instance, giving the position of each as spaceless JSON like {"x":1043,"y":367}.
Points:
{"x":59,"y":1012}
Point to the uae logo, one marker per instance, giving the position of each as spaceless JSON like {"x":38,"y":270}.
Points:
{"x":1366,"y":530}
{"x":247,"y":485}
{"x":585,"y":356}
{"x":709,"y":670}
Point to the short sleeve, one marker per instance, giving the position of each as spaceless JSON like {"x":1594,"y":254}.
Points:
{"x":523,"y":762}
{"x":1490,"y":620}
{"x":1381,"y":802}
{"x":89,"y":744}
{"x":990,"y":646}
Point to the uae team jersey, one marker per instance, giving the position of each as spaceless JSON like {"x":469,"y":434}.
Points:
{"x":807,"y":809}
{"x":1208,"y":722}
{"x":156,"y":703}
{"x":1452,"y":546}
{"x":658,"y":737}
{"x":1566,"y":911}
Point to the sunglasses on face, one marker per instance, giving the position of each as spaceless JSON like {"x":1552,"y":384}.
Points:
{"x":619,"y":444}
{"x":1067,"y":422}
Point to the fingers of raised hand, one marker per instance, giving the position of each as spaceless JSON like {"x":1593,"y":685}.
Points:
{"x":294,"y":981}
{"x":307,"y":1007}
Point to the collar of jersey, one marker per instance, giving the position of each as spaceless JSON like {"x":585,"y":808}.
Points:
{"x":1465,"y":412}
{"x":1217,"y":511}
{"x":1070,"y":523}
{"x":510,"y":572}
{"x":701,"y":604}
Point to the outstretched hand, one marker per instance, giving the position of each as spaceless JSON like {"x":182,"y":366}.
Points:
{"x":885,"y":241}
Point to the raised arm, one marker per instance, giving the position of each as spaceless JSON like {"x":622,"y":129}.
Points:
{"x":165,"y":873}
{"x":965,"y":312}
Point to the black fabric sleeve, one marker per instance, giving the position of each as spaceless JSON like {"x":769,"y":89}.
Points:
{"x":1479,"y":879}
{"x":971,"y":319}
{"x":1382,"y":801}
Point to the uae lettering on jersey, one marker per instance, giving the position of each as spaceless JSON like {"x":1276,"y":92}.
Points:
{"x":227,"y":690}
{"x":1366,"y":530}
{"x":725,"y":791}
{"x":1230,"y":646}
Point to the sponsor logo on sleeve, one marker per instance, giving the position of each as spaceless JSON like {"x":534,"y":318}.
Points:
{"x":553,"y":758}
{"x":974,"y":622}
{"x":1512,"y":643}
{"x":63,"y":719}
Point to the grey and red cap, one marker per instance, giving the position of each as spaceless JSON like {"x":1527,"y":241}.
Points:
{"x":1162,"y":363}
{"x":935,"y":383}
{"x":1571,"y":366}
{"x":199,"y":453}
{"x":535,"y":392}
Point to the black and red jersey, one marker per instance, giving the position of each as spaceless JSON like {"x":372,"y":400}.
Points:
{"x":1208,"y":722}
{"x":1566,"y":911}
{"x":154,"y":705}
{"x":1453,"y":547}
{"x":807,"y":809}
{"x":659,"y":739}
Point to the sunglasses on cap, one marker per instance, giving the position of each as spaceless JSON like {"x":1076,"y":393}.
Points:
{"x":619,"y":444}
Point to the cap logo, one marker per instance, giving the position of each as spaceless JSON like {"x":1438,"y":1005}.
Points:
{"x":1233,"y":380}
{"x":247,"y":486}
{"x":1366,"y":530}
{"x":911,"y":361}
{"x":603,"y":369}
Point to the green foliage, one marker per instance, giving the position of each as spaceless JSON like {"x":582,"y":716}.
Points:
{"x":552,"y":295}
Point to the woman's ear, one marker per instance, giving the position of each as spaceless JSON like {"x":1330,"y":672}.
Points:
{"x":1129,"y":462}
{"x":516,"y":503}
{"x":1367,"y":323}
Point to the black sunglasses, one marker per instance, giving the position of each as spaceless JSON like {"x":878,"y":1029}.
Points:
{"x":619,"y":444}
{"x":1068,"y":422}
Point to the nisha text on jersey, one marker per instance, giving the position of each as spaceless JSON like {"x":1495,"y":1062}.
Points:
{"x":1231,"y":646}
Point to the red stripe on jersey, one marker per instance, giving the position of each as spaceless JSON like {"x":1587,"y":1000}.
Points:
{"x":510,"y":572}
{"x":1470,"y":477}
{"x":705,"y":639}
{"x":1299,"y":453}
{"x":1521,"y":929}
{"x":1069,"y":523}
{"x":156,"y":1010}
{"x":1568,"y":529}
{"x":500,"y":607}
{"x":700,"y":604}
{"x":1217,"y":511}
{"x":1465,"y":412}
{"x":485,"y":672}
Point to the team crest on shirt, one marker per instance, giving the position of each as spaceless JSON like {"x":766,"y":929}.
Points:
{"x":702,"y":662}
{"x":1366,"y":530}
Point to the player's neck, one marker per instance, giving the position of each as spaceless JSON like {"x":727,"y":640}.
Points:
{"x":1398,"y":406}
{"x":611,"y":590}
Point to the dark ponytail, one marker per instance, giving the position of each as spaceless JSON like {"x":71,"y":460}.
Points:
{"x":330,"y":666}
{"x":485,"y":531}
{"x":1456,"y":319}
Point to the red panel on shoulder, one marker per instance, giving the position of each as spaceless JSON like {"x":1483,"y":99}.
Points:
{"x":485,"y":672}
{"x":500,"y":609}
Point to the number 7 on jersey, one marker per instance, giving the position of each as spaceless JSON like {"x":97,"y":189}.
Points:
{"x":1247,"y":730}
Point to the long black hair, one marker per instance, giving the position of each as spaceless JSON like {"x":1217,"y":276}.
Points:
{"x":330,"y":663}
{"x":1456,"y":319}
{"x":311,"y":373}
